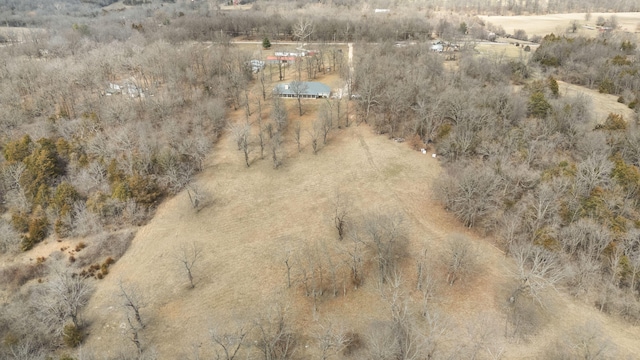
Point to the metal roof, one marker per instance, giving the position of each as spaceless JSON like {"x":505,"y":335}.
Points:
{"x":312,"y":88}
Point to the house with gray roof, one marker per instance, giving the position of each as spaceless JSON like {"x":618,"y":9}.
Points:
{"x":306,"y":90}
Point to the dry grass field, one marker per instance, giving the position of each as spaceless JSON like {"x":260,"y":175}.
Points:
{"x":558,"y":23}
{"x":257,"y":214}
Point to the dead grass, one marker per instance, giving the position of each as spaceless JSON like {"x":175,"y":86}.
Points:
{"x":558,"y":23}
{"x":602,"y":104}
{"x":259,"y":213}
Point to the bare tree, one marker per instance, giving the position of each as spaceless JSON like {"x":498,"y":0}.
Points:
{"x":341,"y":205}
{"x":355,"y":258}
{"x":61,"y":299}
{"x":303,"y":29}
{"x":275,"y":339}
{"x":230,"y":343}
{"x":9,"y":238}
{"x":187,"y":255}
{"x":315,"y":135}
{"x":461,"y":258}
{"x":470,"y":194}
{"x":275,"y":145}
{"x":536,"y":270}
{"x":241,"y":134}
{"x":279,"y":114}
{"x":299,"y":88}
{"x":584,"y":341}
{"x":132,"y":301}
{"x":387,"y":237}
{"x":331,"y":340}
{"x":288,"y":262}
{"x":198,"y":197}
{"x":260,"y":130}
{"x":326,"y":119}
{"x":296,"y":134}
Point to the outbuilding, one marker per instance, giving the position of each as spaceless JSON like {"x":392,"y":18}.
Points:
{"x":306,"y":90}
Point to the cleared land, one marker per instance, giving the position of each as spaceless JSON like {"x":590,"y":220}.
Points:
{"x":558,"y":23}
{"x":259,"y":213}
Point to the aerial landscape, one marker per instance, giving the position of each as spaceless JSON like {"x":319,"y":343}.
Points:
{"x":319,"y":179}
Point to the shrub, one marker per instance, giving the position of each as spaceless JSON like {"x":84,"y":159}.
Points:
{"x":144,"y":190}
{"x":416,"y":142}
{"x":353,"y":343}
{"x":20,"y":221}
{"x":37,"y":232}
{"x":61,"y":227}
{"x":538,"y":105}
{"x":553,"y":86}
{"x":16,"y":151}
{"x":64,"y":197}
{"x":615,"y":122}
{"x":72,"y":335}
{"x":19,"y":274}
{"x":81,"y":245}
{"x":606,"y":86}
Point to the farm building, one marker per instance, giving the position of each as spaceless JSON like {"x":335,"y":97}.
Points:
{"x":307,"y":90}
{"x":280,"y":59}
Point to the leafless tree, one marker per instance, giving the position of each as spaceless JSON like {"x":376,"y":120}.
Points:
{"x":132,"y":301}
{"x":187,"y":255}
{"x":198,"y":197}
{"x":279,"y":114}
{"x":461,"y":258}
{"x":275,"y":146}
{"x":260,"y":130}
{"x":299,"y":88}
{"x":288,"y":262}
{"x":340,"y":218}
{"x":355,"y":252}
{"x":536,"y":270}
{"x":584,"y":341}
{"x":315,"y":132}
{"x":275,"y":338}
{"x":9,"y":238}
{"x":296,"y":134}
{"x":241,"y":134}
{"x":326,"y":119}
{"x":387,"y":237}
{"x":61,"y":299}
{"x":230,"y":343}
{"x":331,"y":340}
{"x":470,"y":193}
{"x":303,"y":29}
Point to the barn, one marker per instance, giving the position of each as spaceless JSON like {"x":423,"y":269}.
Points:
{"x":306,"y":89}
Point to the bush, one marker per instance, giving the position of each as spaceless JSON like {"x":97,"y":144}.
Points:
{"x":20,"y":221}
{"x":606,"y":86}
{"x":553,"y":86}
{"x":520,"y":35}
{"x":353,"y":343}
{"x":17,"y":275}
{"x":72,"y":335}
{"x":416,"y":142}
{"x":37,"y":232}
{"x":538,"y":105}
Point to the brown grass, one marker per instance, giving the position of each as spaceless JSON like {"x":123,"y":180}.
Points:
{"x":259,"y":213}
{"x":558,"y":23}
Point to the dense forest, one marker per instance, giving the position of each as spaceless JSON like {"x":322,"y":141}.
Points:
{"x":104,"y":114}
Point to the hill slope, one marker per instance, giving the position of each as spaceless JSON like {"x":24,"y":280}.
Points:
{"x":258,"y":214}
